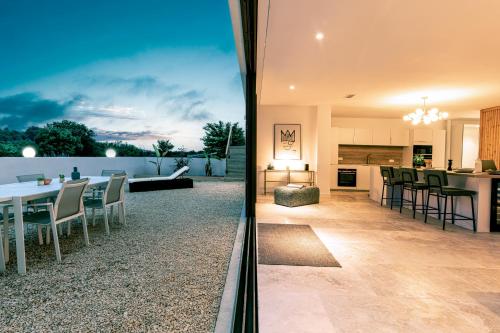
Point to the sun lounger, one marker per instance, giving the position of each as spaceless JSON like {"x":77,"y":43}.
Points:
{"x":174,"y":181}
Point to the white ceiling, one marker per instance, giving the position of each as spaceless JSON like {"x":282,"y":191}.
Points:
{"x":387,"y":52}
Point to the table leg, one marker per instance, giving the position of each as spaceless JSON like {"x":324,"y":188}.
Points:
{"x":265,"y":181}
{"x":6,"y":233}
{"x":19,"y":228}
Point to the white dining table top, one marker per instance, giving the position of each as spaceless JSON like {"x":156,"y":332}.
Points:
{"x":32,"y":189}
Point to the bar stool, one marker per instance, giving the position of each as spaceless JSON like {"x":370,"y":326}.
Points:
{"x":389,"y":179}
{"x":437,"y":181}
{"x":409,"y":177}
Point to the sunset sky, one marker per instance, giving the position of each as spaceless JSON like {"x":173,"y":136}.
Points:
{"x":131,"y":70}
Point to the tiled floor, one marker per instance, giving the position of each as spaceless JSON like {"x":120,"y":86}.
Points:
{"x":397,"y":275}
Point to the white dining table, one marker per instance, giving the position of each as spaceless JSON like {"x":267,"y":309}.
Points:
{"x":16,"y":194}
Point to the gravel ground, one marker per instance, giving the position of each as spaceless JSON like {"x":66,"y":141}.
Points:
{"x":162,"y":272}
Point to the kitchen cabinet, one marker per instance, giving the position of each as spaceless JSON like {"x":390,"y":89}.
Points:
{"x":439,"y":149}
{"x":363,"y":136}
{"x":362,"y":177}
{"x":381,"y":137}
{"x":346,"y":136}
{"x":400,"y":137}
{"x":422,"y":136}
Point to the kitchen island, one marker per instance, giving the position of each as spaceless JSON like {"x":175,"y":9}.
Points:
{"x":485,"y":185}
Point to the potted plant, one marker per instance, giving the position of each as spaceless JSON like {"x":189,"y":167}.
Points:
{"x":183,"y":160}
{"x":270,"y":166}
{"x":161,"y":149}
{"x":418,"y":160}
{"x":62,"y":178}
{"x":40,"y":181}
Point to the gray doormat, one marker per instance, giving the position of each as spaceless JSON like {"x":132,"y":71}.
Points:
{"x":292,"y":245}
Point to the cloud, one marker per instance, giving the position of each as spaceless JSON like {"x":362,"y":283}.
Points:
{"x":158,"y":90}
{"x":134,"y":85}
{"x":103,"y":135}
{"x":22,"y":110}
{"x":189,"y":105}
{"x":84,"y":107}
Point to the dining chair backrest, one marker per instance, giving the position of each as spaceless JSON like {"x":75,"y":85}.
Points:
{"x":396,"y":173}
{"x":385,"y":172}
{"x":409,"y":175}
{"x":115,"y":189}
{"x":108,"y":173}
{"x":69,"y":200}
{"x":436,"y":179}
{"x":29,"y":178}
{"x":388,"y":174}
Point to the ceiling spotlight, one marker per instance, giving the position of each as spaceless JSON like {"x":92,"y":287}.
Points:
{"x":291,"y":87}
{"x":319,"y":36}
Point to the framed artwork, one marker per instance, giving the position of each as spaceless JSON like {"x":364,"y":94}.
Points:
{"x":287,"y":142}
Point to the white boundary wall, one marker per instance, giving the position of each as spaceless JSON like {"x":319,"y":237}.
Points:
{"x":51,"y":167}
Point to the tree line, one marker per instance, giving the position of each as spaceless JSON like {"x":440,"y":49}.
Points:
{"x":68,"y":139}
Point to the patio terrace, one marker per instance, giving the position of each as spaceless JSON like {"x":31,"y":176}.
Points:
{"x":164,"y":271}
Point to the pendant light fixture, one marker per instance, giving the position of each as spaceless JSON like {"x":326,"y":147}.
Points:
{"x":424,"y":115}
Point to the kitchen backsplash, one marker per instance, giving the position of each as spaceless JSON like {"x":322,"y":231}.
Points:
{"x":349,"y":154}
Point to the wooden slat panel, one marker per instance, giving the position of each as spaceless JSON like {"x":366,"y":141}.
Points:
{"x":377,"y":154}
{"x":489,"y":133}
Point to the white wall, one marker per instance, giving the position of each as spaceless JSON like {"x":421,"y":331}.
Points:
{"x":53,"y":166}
{"x":456,"y":139}
{"x":267,"y":116}
{"x":323,"y":148}
{"x":470,"y":146}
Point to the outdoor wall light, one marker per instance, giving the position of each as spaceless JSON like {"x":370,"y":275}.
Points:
{"x":111,"y":153}
{"x":29,"y":152}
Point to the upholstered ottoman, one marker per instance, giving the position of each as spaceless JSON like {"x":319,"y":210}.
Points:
{"x":293,"y":197}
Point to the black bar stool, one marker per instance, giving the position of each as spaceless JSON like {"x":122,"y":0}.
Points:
{"x":410,"y":181}
{"x":437,"y":181}
{"x":389,"y":179}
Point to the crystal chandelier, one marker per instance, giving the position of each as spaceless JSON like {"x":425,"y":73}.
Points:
{"x":424,"y":115}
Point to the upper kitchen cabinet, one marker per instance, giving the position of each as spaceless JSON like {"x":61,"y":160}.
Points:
{"x":422,"y":136}
{"x":400,"y":137}
{"x":381,"y":137}
{"x":346,"y":136}
{"x":363,"y":136}
{"x":439,"y":149}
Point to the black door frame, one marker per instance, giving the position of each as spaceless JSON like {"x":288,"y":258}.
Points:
{"x":246,"y":313}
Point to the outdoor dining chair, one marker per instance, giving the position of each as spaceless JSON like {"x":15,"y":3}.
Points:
{"x":114,"y":195}
{"x":67,"y":207}
{"x":32,"y":178}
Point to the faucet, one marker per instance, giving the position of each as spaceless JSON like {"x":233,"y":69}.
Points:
{"x":368,"y":158}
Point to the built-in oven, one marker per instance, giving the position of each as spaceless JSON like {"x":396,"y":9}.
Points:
{"x":346,"y":177}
